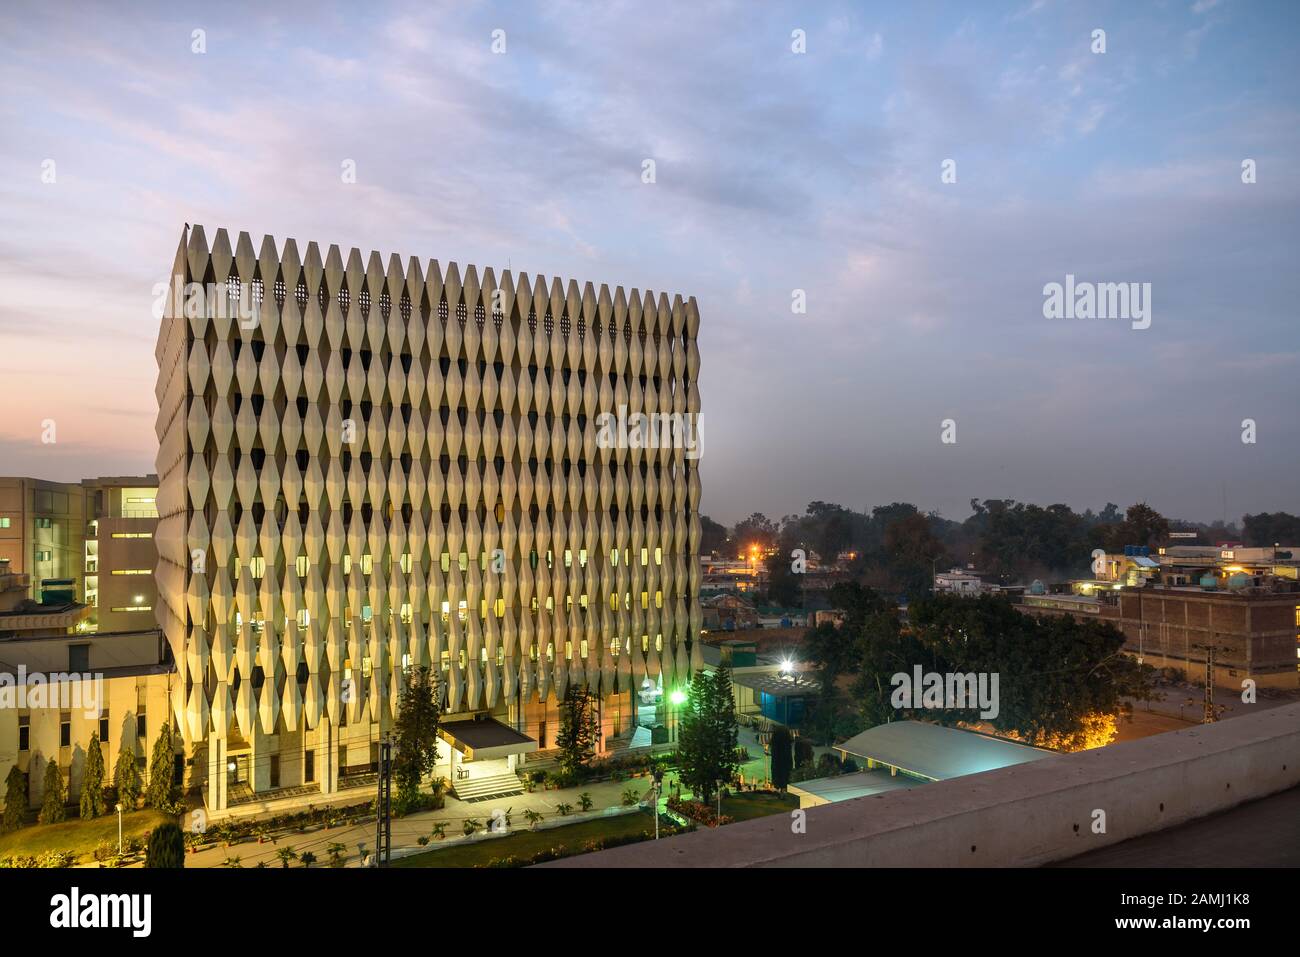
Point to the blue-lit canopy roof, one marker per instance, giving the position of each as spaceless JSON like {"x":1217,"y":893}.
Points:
{"x":936,"y":752}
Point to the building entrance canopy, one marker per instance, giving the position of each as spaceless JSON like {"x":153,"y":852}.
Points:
{"x":485,"y":739}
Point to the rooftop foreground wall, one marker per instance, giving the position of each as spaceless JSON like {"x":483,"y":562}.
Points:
{"x":1023,"y":815}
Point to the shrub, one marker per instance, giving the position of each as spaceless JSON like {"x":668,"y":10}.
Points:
{"x":53,"y":806}
{"x":631,"y":797}
{"x":698,"y":812}
{"x":92,"y":780}
{"x":15,"y":800}
{"x":166,"y":847}
{"x":471,"y":825}
{"x":584,"y":800}
{"x":126,"y":777}
{"x":564,"y":809}
{"x":162,"y":770}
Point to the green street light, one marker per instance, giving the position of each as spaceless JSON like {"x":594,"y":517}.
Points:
{"x":678,"y":696}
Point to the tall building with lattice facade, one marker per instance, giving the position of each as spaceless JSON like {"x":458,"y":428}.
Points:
{"x":368,"y":465}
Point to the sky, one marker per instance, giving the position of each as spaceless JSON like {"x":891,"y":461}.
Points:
{"x":799,"y":154}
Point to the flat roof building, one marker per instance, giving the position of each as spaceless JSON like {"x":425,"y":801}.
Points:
{"x":368,"y":465}
{"x":932,"y":752}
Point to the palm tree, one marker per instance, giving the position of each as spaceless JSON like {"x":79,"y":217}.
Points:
{"x":286,"y":854}
{"x":307,"y":858}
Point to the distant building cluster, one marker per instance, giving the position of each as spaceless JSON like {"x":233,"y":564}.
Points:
{"x":1229,"y":609}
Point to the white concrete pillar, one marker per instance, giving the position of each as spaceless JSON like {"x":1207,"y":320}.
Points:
{"x":215,"y":790}
{"x":327,"y":757}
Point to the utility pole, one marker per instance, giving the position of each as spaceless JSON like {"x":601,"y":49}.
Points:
{"x":384,"y":805}
{"x":658,"y":778}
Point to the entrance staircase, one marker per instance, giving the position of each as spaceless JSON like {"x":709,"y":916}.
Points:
{"x":487,"y":787}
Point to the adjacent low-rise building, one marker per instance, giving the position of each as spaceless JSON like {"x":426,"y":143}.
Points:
{"x":61,"y":683}
{"x":1252,"y":632}
{"x":95,"y":536}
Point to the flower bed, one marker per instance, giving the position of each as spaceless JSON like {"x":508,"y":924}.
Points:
{"x":697,"y":811}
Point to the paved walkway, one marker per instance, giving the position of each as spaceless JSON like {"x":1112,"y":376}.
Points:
{"x":360,"y":838}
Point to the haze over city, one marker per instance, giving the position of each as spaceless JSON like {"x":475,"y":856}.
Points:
{"x":775,"y":172}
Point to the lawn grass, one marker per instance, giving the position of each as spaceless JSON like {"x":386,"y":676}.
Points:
{"x":78,"y":836}
{"x":523,"y":844}
{"x":748,"y":805}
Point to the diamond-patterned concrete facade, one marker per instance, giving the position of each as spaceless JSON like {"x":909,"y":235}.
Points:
{"x":399,"y":464}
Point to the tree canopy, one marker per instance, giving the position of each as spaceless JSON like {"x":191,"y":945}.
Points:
{"x":1057,"y":677}
{"x":416,"y":733}
{"x":708,"y":734}
{"x":579,"y":729}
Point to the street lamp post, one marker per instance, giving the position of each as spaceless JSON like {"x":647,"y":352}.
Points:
{"x":119,"y":829}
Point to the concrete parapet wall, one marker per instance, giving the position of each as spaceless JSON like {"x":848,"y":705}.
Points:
{"x":1027,"y":814}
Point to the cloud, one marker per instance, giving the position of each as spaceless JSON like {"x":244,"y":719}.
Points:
{"x":775,"y":172}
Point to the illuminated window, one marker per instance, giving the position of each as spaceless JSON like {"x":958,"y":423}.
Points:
{"x":645,"y":557}
{"x":405,"y":563}
{"x":300,"y":563}
{"x":257,"y":566}
{"x":304,"y":618}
